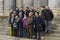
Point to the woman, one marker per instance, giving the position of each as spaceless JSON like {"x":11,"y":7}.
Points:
{"x":11,"y":21}
{"x":24,"y":26}
{"x":37,"y":25}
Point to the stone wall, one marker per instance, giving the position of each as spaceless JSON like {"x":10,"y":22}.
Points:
{"x":54,"y":3}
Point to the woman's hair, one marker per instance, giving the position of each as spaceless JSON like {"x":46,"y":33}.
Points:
{"x":36,"y":13}
{"x":43,"y":6}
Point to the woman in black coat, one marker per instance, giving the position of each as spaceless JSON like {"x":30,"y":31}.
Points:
{"x":37,"y":25}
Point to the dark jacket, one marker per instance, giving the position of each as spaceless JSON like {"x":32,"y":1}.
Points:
{"x":37,"y":23}
{"x":15,"y":24}
{"x":17,"y":12}
{"x":11,"y":20}
{"x":20,"y":22}
{"x":47,"y":14}
{"x":27,"y":12}
{"x":33,"y":11}
{"x":23,"y":12}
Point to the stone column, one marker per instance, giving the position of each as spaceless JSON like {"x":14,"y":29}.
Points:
{"x":14,"y":5}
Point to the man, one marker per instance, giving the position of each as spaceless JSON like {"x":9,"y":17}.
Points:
{"x":30,"y":24}
{"x":22,"y":11}
{"x":17,"y":11}
{"x":42,"y":18}
{"x":48,"y":16}
{"x":33,"y":10}
{"x":27,"y":11}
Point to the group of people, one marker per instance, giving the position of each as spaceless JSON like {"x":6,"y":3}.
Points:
{"x":29,"y":23}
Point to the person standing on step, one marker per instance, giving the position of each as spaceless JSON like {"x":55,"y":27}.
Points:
{"x":11,"y":21}
{"x":15,"y":26}
{"x":30,"y":24}
{"x":27,"y":11}
{"x":48,"y":17}
{"x":20,"y":25}
{"x":24,"y":20}
{"x":37,"y":26}
{"x":22,"y":11}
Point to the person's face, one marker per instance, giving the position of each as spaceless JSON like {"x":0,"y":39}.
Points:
{"x":20,"y":14}
{"x":26,"y":8}
{"x":42,"y":8}
{"x":21,"y":8}
{"x":12,"y":15}
{"x":16,"y":17}
{"x":24,"y":16}
{"x":30,"y":14}
{"x":32,"y":8}
{"x":36,"y":14}
{"x":16,"y":8}
{"x":47,"y":7}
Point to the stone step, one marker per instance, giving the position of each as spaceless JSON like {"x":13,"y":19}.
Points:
{"x":58,"y":31}
{"x":51,"y":35}
{"x":5,"y":37}
{"x":50,"y":38}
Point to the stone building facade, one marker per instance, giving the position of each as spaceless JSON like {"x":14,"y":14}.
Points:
{"x":8,"y":4}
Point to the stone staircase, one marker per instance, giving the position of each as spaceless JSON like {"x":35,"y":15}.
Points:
{"x":55,"y":35}
{"x":4,"y":29}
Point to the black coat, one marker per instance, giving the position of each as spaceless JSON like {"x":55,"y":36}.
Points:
{"x":15,"y":24}
{"x":20,"y":22}
{"x":33,"y":11}
{"x":11,"y":21}
{"x":27,"y":12}
{"x":37,"y":23}
{"x":47,"y":14}
{"x":17,"y":12}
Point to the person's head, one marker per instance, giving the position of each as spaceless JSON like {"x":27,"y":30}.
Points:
{"x":42,"y":7}
{"x":47,"y":7}
{"x":21,"y":8}
{"x":32,"y":8}
{"x":12,"y":15}
{"x":38,"y":9}
{"x":27,"y":8}
{"x":11,"y":10}
{"x":30,"y":14}
{"x":20,"y":14}
{"x":16,"y":17}
{"x":17,"y":8}
{"x":36,"y":14}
